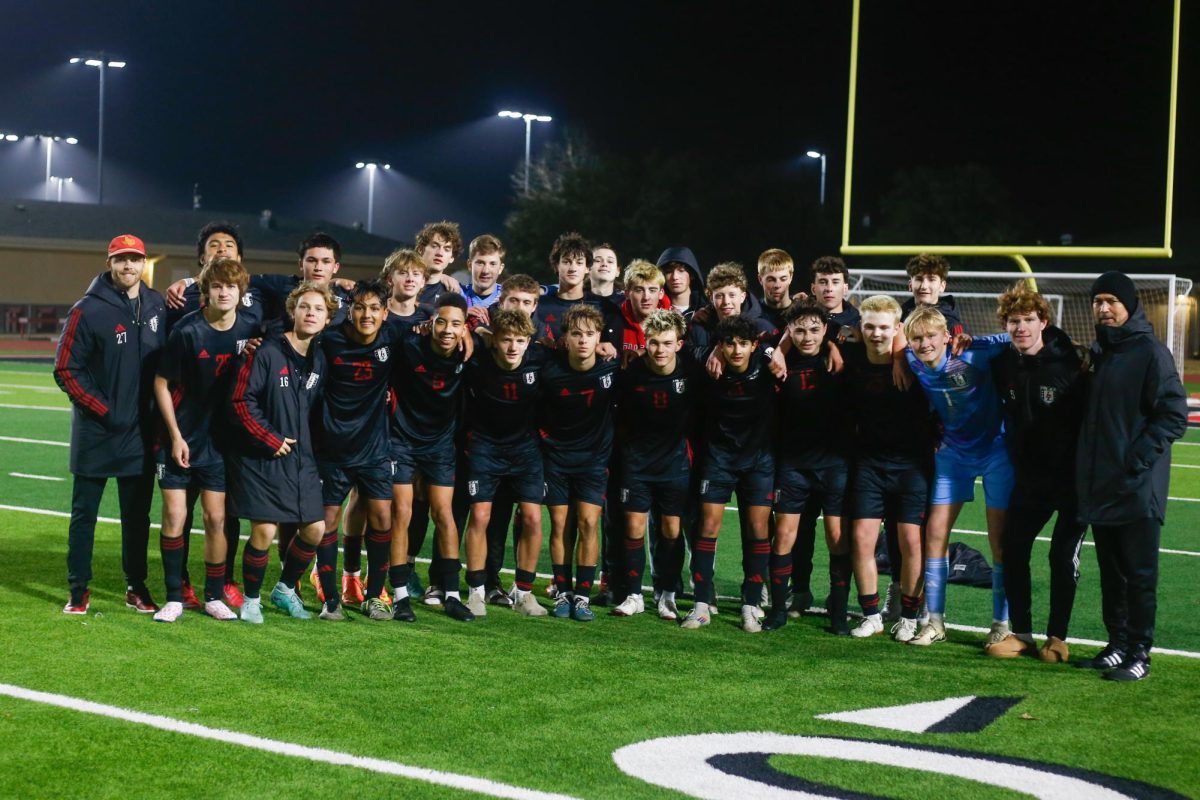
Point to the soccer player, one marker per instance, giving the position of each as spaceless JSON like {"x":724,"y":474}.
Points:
{"x":273,"y":477}
{"x":320,"y":259}
{"x":738,"y":425}
{"x":659,"y":392}
{"x":605,"y":272}
{"x":1135,"y":408}
{"x":191,"y":387}
{"x":684,"y":282}
{"x":811,"y":468}
{"x":961,"y":390}
{"x":643,"y":296}
{"x":728,"y":293}
{"x":893,"y":449}
{"x":927,"y":281}
{"x":1040,"y":378}
{"x":775,"y":271}
{"x":503,"y":394}
{"x":571,"y":257}
{"x":426,"y":380}
{"x":577,"y":434}
{"x":485,"y":257}
{"x":438,"y":244}
{"x":105,"y":363}
{"x":405,"y":275}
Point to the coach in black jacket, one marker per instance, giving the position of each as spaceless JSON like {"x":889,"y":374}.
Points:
{"x":1136,"y":408}
{"x":105,"y":363}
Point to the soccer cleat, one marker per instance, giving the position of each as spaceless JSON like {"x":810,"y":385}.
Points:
{"x":170,"y":612}
{"x":998,"y":633}
{"x":433,"y":596}
{"x":375,"y":609}
{"x":289,"y":600}
{"x":401,"y":609}
{"x":218,"y":610}
{"x":496,"y":596}
{"x":698,"y":617}
{"x":527,"y":605}
{"x":871,"y":625}
{"x":800,"y":602}
{"x":190,"y":600}
{"x":1054,"y":651}
{"x":604,"y":598}
{"x":233,"y":595}
{"x":905,"y":630}
{"x":475,"y":603}
{"x":352,"y":589}
{"x":1135,"y":667}
{"x":633,"y":604}
{"x":314,"y":578}
{"x":456,"y":610}
{"x":562,"y":605}
{"x":750,"y":617}
{"x":775,"y":620}
{"x":932,"y":632}
{"x":78,"y":602}
{"x":581,"y":609}
{"x":666,"y":606}
{"x":1010,"y":646}
{"x":332,"y":611}
{"x":839,"y":625}
{"x":1108,"y":658}
{"x":140,"y":600}
{"x":923,"y":614}
{"x":252,"y":610}
{"x":415,"y":589}
{"x":891,"y":604}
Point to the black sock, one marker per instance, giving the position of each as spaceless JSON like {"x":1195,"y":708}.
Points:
{"x":254,"y":567}
{"x":287,"y":532}
{"x":585,"y":576}
{"x":704,"y":558}
{"x":562,"y":578}
{"x":668,"y":564}
{"x":379,"y":547}
{"x":760,"y":554}
{"x":869,"y":603}
{"x":839,"y":587}
{"x":184,"y":575}
{"x":214,"y":581}
{"x":476,"y":578}
{"x":398,"y":574}
{"x":635,"y":560}
{"x":450,"y":569}
{"x":327,"y":565}
{"x":233,"y":534}
{"x":910,"y":605}
{"x":351,"y":552}
{"x":525,"y":580}
{"x":172,"y":550}
{"x":781,"y":574}
{"x":299,"y":558}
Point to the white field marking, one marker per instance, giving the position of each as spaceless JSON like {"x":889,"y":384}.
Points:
{"x":1188,"y":444}
{"x":1086,"y":542}
{"x":461,"y":782}
{"x":35,"y":408}
{"x":35,"y":477}
{"x":21,"y":440}
{"x":24,"y":373}
{"x":30,"y":388}
{"x":1186,"y":466}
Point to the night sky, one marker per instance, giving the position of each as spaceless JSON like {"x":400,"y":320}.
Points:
{"x":269,"y":104}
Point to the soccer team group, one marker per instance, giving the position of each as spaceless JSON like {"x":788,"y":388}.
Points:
{"x":633,"y":406}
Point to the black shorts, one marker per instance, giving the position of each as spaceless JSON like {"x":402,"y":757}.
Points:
{"x":435,"y":461}
{"x":205,"y":477}
{"x":668,"y":495}
{"x":755,"y":481}
{"x":374,"y":481}
{"x":796,"y":484}
{"x":575,"y":478}
{"x":520,"y":468}
{"x":902,"y":489}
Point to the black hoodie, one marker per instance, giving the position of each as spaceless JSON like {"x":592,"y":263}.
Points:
{"x":106,"y":359}
{"x":685,"y":256}
{"x":1135,"y":408}
{"x":946,"y":305}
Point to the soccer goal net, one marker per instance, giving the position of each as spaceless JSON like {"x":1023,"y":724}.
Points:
{"x":1163,"y":297}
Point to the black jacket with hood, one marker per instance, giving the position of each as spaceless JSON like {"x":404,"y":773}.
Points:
{"x":685,"y":256}
{"x":106,"y":360}
{"x":947,"y":306}
{"x":1135,"y":408}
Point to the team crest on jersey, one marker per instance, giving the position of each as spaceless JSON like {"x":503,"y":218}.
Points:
{"x":958,"y":380}
{"x":606,"y":381}
{"x":1048,"y":394}
{"x":247,"y":301}
{"x":381,"y":354}
{"x":241,"y":345}
{"x":530,"y":378}
{"x":472,"y":488}
{"x":312,"y":380}
{"x":154,"y":323}
{"x":680,"y":385}
{"x":458,"y":368}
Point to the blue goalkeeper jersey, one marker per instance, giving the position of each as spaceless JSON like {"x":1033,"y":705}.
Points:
{"x":960,"y":389}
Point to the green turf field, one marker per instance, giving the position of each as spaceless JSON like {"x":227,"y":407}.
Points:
{"x":528,"y":705}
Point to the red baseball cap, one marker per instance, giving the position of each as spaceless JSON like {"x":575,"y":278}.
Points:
{"x":126,"y":243}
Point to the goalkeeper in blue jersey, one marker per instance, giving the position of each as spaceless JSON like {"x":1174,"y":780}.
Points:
{"x":961,"y":391}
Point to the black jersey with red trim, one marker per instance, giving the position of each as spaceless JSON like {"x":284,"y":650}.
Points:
{"x":426,"y":387}
{"x":812,"y":423}
{"x":422,"y":312}
{"x":352,"y":427}
{"x":577,"y":406}
{"x":199,"y":363}
{"x":740,"y":411}
{"x":502,"y":404}
{"x":655,"y":415}
{"x":890,"y":425}
{"x":273,"y":290}
{"x":274,"y":393}
{"x":547,"y":320}
{"x":191,"y":302}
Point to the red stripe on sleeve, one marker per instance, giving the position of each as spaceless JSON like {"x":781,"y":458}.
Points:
{"x":251,"y":425}
{"x":61,"y":366}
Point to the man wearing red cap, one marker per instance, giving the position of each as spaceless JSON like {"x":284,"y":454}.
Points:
{"x":105,"y":363}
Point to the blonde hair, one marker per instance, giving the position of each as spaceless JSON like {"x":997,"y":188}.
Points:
{"x":773,"y":260}
{"x":512,"y":322}
{"x":306,"y":287}
{"x":926,"y":319}
{"x":881,"y":304}
{"x":729,"y":273}
{"x":662,"y":320}
{"x":403,"y":258}
{"x":642,"y":271}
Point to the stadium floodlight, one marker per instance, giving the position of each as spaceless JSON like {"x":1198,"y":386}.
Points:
{"x":529,"y":120}
{"x":50,"y":139}
{"x":371,"y":167}
{"x":816,"y":154}
{"x":101,"y":63}
{"x":60,"y":181}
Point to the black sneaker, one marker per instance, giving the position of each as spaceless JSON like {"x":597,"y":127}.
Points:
{"x":456,"y":610}
{"x":1134,"y":667}
{"x":1108,"y":658}
{"x":775,"y":620}
{"x":402,"y":610}
{"x":603,"y":599}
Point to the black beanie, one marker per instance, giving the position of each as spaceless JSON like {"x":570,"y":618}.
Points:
{"x":1119,"y":285}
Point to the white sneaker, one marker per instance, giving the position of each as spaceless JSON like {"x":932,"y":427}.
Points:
{"x":666,"y":606}
{"x":698,"y":617}
{"x":252,"y":610}
{"x":476,"y":604}
{"x":759,"y":614}
{"x":433,"y":596}
{"x":169,"y":612}
{"x":633,"y":604}
{"x":905,"y":630}
{"x":870,"y":626}
{"x":218,"y":610}
{"x":750,"y":623}
{"x":932,"y":632}
{"x":525,"y":604}
{"x":998,"y":633}
{"x":892,"y":604}
{"x":923,"y":614}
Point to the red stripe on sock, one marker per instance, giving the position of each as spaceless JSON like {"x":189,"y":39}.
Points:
{"x":169,"y":543}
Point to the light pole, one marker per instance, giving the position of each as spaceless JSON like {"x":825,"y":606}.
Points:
{"x":60,"y":182}
{"x":50,"y":140}
{"x":529,"y":120}
{"x":815,"y":154}
{"x":100,"y":62}
{"x":371,"y":167}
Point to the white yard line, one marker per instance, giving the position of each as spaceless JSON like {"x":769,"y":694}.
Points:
{"x":467,"y":783}
{"x":21,"y":440}
{"x":35,"y":477}
{"x":1086,"y":543}
{"x":35,"y":408}
{"x":30,"y":388}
